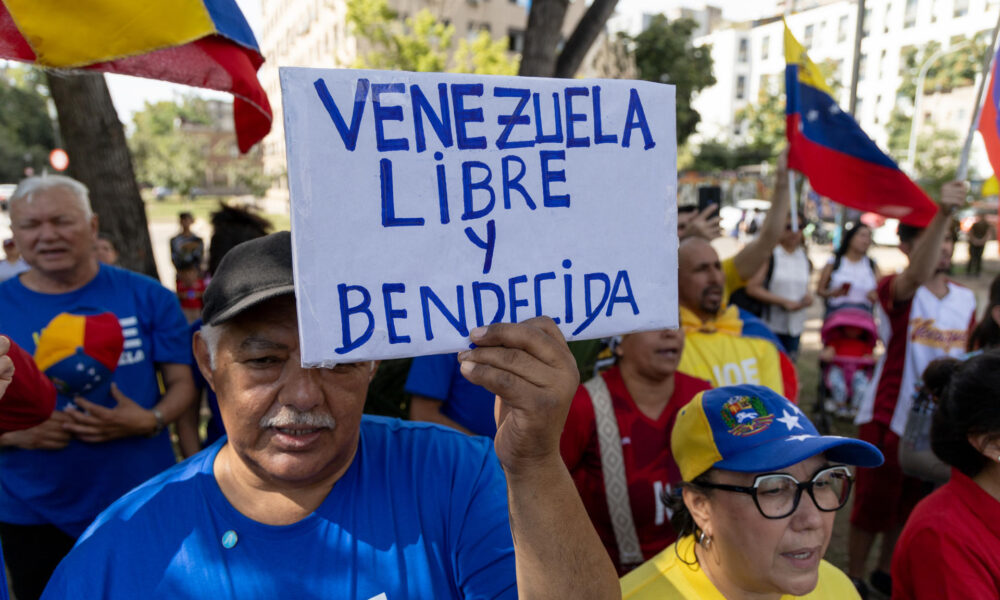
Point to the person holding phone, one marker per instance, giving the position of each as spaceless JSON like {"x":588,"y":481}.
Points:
{"x":850,"y":276}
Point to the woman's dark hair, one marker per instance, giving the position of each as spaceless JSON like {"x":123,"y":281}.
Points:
{"x":987,"y":332}
{"x":967,"y":405}
{"x":849,"y":233}
{"x":680,"y":517}
{"x":232,"y":226}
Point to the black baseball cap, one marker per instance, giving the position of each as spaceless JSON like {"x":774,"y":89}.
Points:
{"x":250,"y":273}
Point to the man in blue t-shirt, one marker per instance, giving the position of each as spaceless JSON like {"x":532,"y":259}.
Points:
{"x":57,"y":476}
{"x":307,"y":498}
{"x":440,"y":394}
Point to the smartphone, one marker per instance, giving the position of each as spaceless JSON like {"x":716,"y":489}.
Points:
{"x":709,"y":196}
{"x":846,"y":286}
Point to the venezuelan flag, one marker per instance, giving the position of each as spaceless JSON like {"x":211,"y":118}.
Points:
{"x":202,"y":43}
{"x":840,"y":160}
{"x":989,"y":125}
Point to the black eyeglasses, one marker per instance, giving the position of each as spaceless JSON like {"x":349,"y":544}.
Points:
{"x":777,"y":495}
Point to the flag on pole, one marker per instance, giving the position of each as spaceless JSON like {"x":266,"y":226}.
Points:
{"x":840,"y":160}
{"x":989,"y":127}
{"x":202,"y":43}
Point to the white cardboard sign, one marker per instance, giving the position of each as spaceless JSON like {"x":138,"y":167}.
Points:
{"x":427,"y":204}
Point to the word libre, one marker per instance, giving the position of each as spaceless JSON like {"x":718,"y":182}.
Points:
{"x":426,"y":204}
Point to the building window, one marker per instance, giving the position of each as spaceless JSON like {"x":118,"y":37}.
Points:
{"x":904,"y":52}
{"x":885,"y":21}
{"x":516,"y":40}
{"x":866,"y":24}
{"x":842,"y":29}
{"x":862,"y":66}
{"x":744,"y":51}
{"x":961,"y":8}
{"x":910,"y":16}
{"x":807,"y":39}
{"x":765,"y":47}
{"x":741,"y":87}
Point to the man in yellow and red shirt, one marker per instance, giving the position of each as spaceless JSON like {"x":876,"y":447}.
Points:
{"x":725,"y":345}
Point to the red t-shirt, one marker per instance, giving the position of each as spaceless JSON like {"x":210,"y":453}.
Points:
{"x":950,"y":547}
{"x":649,"y":465}
{"x":29,"y":398}
{"x":190,"y":295}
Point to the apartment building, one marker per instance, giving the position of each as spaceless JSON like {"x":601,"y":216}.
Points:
{"x":314,"y":33}
{"x":750,"y":56}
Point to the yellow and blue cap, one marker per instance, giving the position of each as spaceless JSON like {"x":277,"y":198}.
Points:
{"x":752,"y":429}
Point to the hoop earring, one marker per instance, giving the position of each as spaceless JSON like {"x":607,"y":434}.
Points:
{"x":704,"y":540}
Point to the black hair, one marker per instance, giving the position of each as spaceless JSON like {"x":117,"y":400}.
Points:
{"x":681,"y":520}
{"x":687,"y":208}
{"x":107,"y":238}
{"x":185,"y":215}
{"x":908,"y":233}
{"x":845,"y":241}
{"x":967,"y":406}
{"x":987,"y":332}
{"x":232,"y":226}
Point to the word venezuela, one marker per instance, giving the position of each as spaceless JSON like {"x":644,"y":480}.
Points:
{"x":481,"y":199}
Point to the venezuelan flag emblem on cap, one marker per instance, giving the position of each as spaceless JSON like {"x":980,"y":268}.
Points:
{"x":753,"y":429}
{"x":79,"y":353}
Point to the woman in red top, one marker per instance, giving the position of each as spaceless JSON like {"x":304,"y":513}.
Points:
{"x":644,"y":392}
{"x":950,"y":547}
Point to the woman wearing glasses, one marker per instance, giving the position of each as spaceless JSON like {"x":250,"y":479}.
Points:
{"x":760,"y":490}
{"x":950,"y":546}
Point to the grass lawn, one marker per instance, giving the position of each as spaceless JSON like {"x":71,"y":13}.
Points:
{"x":201,"y":207}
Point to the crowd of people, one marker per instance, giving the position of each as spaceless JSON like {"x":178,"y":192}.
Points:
{"x":685,"y":467}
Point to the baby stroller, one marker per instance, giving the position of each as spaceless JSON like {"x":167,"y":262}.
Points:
{"x":846,"y":363}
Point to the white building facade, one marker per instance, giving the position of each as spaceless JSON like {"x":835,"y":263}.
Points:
{"x":315,"y":33}
{"x":827,"y":30}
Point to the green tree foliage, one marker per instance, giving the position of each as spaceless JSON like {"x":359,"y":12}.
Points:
{"x":664,"y":54}
{"x":422,"y":43}
{"x":175,"y":145}
{"x":954,"y":70}
{"x":26,"y":132}
{"x":162,"y":153}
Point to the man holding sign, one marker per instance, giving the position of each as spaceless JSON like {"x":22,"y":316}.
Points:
{"x":307,"y":498}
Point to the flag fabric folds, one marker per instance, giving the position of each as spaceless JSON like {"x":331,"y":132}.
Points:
{"x":841,"y":161}
{"x":202,"y":43}
{"x":989,"y":125}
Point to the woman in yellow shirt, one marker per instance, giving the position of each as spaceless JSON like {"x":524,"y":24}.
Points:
{"x":760,"y":490}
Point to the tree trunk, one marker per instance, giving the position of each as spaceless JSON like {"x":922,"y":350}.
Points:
{"x":99,"y":157}
{"x":586,"y":31}
{"x":541,"y":39}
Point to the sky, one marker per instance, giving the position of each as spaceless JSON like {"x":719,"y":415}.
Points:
{"x":131,"y":93}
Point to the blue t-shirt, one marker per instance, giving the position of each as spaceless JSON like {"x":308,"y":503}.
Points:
{"x":421,"y":513}
{"x":438,"y":377}
{"x":69,"y":487}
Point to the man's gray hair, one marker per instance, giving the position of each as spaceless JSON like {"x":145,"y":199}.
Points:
{"x":32,"y":185}
{"x":210,"y":334}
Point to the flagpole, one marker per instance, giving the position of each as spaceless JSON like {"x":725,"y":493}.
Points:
{"x":963,"y":163}
{"x":791,"y":198}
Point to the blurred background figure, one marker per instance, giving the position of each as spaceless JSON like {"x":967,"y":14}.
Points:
{"x":12,"y":264}
{"x":979,"y":234}
{"x":783,"y":286}
{"x":106,"y":251}
{"x":850,"y":276}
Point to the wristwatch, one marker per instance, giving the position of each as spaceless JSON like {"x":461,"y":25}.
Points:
{"x":159,"y":423}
